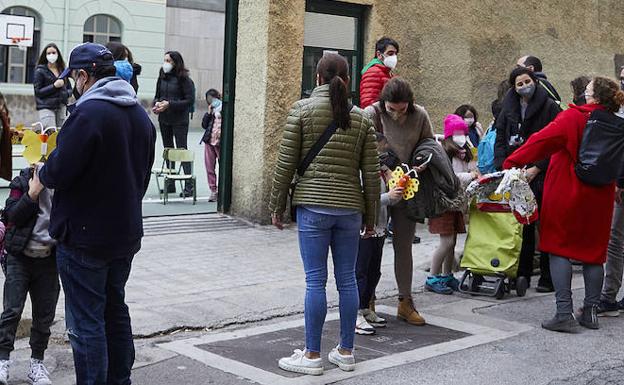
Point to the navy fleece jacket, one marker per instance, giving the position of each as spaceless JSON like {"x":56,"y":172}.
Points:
{"x":100,"y":171}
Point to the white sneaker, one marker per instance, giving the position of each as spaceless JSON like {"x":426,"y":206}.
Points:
{"x":38,"y":373}
{"x":362,"y":327}
{"x":373,"y":319}
{"x":344,"y":362}
{"x":4,"y":371}
{"x":299,"y":363}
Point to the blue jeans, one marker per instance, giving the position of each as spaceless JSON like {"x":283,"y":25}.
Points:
{"x":97,"y":318}
{"x":317,"y":233}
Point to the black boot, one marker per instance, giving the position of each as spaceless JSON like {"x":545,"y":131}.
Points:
{"x":589,"y":317}
{"x":563,"y":323}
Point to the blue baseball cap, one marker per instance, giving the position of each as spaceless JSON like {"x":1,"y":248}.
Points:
{"x":88,"y":56}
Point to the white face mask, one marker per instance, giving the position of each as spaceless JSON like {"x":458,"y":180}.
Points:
{"x":391,"y":61}
{"x":459,"y":140}
{"x":52,"y":58}
{"x":167,"y":67}
{"x":469,"y":121}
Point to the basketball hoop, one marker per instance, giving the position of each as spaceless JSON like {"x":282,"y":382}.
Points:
{"x":20,"y":42}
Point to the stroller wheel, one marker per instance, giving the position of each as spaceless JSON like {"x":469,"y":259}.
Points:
{"x":521,"y":286}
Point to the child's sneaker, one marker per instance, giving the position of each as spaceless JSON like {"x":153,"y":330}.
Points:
{"x":299,"y":363}
{"x":38,"y":374}
{"x":437,"y":285}
{"x":451,"y":282}
{"x":373,"y":319}
{"x":362,"y":326}
{"x":344,"y":362}
{"x":4,"y":371}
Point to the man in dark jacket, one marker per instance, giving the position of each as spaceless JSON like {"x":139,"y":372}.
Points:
{"x":535,"y":65}
{"x":100,"y":171}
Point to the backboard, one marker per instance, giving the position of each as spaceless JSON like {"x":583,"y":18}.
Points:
{"x":17,"y":30}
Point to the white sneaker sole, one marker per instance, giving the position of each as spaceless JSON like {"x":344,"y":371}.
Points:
{"x":614,"y":313}
{"x":377,"y":324}
{"x":341,"y":365}
{"x":300,"y":369}
{"x":364,"y":332}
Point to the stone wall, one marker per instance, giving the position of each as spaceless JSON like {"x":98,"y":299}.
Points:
{"x":456,"y":52}
{"x":452,"y":52}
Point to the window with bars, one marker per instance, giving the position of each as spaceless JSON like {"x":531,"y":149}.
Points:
{"x":101,"y":29}
{"x":17,"y":66}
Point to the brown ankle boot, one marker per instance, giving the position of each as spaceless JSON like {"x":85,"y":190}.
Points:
{"x":408,"y":313}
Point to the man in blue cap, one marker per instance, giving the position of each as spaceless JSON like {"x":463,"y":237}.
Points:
{"x":100,"y":171}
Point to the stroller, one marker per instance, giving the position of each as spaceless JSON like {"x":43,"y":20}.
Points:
{"x":492,"y":251}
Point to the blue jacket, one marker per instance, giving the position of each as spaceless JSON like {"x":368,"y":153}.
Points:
{"x":100,"y":171}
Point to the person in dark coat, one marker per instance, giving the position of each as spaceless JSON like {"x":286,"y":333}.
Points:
{"x":535,"y":65}
{"x":526,"y":110}
{"x":172,"y":104}
{"x":51,"y":93}
{"x":100,"y":171}
{"x":123,"y":55}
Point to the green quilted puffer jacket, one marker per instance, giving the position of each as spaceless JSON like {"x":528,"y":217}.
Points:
{"x":345,"y":174}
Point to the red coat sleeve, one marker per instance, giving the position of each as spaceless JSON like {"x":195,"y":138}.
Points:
{"x":551,"y":139}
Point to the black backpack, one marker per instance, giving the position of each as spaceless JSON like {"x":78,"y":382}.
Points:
{"x":601,"y":153}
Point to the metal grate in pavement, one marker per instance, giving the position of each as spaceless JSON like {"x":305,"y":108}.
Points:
{"x":183,"y":224}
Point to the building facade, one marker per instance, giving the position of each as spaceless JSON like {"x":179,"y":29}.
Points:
{"x":147,"y":27}
{"x":452,"y":52}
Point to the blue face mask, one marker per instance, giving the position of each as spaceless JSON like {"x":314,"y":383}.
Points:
{"x":216,"y":104}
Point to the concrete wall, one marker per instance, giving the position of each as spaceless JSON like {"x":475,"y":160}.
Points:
{"x":453,"y":52}
{"x":270,"y":48}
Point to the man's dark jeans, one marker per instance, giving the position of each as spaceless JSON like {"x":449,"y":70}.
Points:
{"x":38,"y":277}
{"x":98,"y":322}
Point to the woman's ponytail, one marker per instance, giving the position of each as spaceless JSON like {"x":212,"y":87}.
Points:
{"x":334,"y":69}
{"x":339,"y":98}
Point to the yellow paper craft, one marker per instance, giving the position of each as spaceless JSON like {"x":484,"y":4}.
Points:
{"x":38,"y":146}
{"x":412,"y":186}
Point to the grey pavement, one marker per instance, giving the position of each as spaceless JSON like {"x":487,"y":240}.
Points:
{"x":200,"y":276}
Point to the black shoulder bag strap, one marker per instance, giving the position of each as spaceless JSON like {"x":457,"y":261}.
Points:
{"x":316,"y":148}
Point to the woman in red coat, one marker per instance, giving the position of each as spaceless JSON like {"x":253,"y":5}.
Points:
{"x":575,"y":217}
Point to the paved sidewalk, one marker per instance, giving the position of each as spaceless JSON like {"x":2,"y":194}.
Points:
{"x":223,"y":274}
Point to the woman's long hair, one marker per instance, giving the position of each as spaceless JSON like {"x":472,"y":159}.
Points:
{"x":179,"y":69}
{"x":334,"y":69}
{"x":43,"y":60}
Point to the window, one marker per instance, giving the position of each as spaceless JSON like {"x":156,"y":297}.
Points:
{"x":332,"y":27}
{"x":101,"y":29}
{"x":17,"y":66}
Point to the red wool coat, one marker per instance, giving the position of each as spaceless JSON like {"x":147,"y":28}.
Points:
{"x":372,"y":83}
{"x":575,"y":217}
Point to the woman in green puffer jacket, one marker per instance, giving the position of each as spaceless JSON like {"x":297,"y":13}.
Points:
{"x":336,"y":197}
